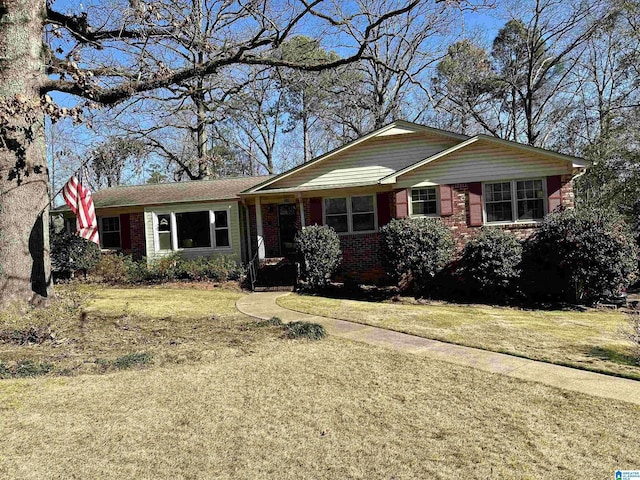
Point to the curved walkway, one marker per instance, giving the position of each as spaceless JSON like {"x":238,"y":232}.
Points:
{"x":263,"y":305}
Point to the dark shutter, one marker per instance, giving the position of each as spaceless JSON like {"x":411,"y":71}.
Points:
{"x":554,"y":185}
{"x":475,"y":204}
{"x":384,"y":213}
{"x":446,"y":200}
{"x":125,"y":231}
{"x":316,"y":211}
{"x":402,"y":204}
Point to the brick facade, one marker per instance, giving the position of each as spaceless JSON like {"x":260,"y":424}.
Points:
{"x":361,"y":259}
{"x":138,"y":244}
{"x":361,"y":252}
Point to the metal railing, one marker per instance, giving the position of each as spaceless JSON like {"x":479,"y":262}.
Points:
{"x":254,"y":266}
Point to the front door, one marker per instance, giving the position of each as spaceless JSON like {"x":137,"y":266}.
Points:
{"x":287,"y":215}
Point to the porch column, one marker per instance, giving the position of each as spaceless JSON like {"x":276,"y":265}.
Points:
{"x":301,"y":207}
{"x":260,"y":230}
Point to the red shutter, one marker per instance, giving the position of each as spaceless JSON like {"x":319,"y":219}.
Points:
{"x":315,"y":206}
{"x":446,"y":200}
{"x":475,"y":204}
{"x":384,"y":213}
{"x":402,"y":204}
{"x":554,"y":184}
{"x":125,"y":232}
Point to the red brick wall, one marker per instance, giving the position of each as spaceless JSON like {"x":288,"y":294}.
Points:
{"x":138,"y":244}
{"x":361,"y":258}
{"x":270,"y":228}
{"x":361,"y":252}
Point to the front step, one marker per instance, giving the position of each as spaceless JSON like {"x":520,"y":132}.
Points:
{"x":275,"y":274}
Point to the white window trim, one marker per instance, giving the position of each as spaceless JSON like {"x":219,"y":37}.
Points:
{"x":514,"y":202}
{"x":213,"y":228}
{"x":350,"y":230}
{"x":101,"y":231}
{"x":174,"y":231}
{"x":432,"y":215}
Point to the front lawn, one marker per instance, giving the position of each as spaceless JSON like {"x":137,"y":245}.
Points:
{"x":590,"y":340}
{"x":228,"y":397}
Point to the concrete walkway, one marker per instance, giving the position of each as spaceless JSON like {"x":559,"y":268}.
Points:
{"x":263,"y":306}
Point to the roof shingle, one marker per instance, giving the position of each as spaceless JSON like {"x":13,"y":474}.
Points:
{"x":181,"y":192}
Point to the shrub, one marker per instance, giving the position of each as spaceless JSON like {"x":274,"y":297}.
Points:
{"x":70,"y":253}
{"x":312,"y":331}
{"x":580,"y":255}
{"x":417,"y":248}
{"x":272,"y":322}
{"x":218,"y":268}
{"x":319,"y":249}
{"x":491,"y":262}
{"x":112,"y":268}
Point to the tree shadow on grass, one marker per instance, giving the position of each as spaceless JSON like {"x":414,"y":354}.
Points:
{"x":614,"y":356}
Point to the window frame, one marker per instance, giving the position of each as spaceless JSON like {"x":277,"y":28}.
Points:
{"x":174,"y":231}
{"x":514,"y":202}
{"x":350,"y":230}
{"x":102,"y":232}
{"x":437,"y":200}
{"x":214,"y":228}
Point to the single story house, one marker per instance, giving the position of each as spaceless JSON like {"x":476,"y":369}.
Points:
{"x":402,"y":169}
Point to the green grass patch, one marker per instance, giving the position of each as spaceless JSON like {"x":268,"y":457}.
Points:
{"x":592,"y":340}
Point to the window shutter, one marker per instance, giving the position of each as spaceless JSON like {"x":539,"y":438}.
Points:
{"x":402,"y":204}
{"x":315,"y":207}
{"x":446,"y":200}
{"x":475,"y":204}
{"x":125,"y":231}
{"x":554,"y":185}
{"x":384,"y":213}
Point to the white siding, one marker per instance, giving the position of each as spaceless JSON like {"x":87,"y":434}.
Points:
{"x":483,"y":161}
{"x":369,"y":161}
{"x":234,"y":230}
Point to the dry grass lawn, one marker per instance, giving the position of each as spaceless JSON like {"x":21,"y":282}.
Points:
{"x":592,"y":340}
{"x":249,"y":404}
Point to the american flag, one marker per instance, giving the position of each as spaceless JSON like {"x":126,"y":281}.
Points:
{"x":80,"y":202}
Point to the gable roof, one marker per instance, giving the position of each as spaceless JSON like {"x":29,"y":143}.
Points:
{"x":393,"y":128}
{"x":180,"y":192}
{"x":575,"y":161}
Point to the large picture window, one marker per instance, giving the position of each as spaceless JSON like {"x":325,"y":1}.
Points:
{"x":424,"y":201}
{"x":514,"y":201}
{"x":110,"y":237}
{"x":350,"y":214}
{"x":193,"y":229}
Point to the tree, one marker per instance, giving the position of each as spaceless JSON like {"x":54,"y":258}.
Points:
{"x":110,"y":159}
{"x":463,"y":86}
{"x":105,"y":55}
{"x":306,"y":95}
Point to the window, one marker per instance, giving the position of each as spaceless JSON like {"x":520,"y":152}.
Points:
{"x":498,"y":202}
{"x":336,"y":214}
{"x":424,"y":201}
{"x":350,"y":214}
{"x":193,"y":230}
{"x":514,"y":201}
{"x":363,"y":214}
{"x":164,"y":232}
{"x":530,"y":199}
{"x":110,"y":237}
{"x":221,"y":228}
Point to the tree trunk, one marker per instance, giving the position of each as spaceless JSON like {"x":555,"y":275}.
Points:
{"x":24,"y":183}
